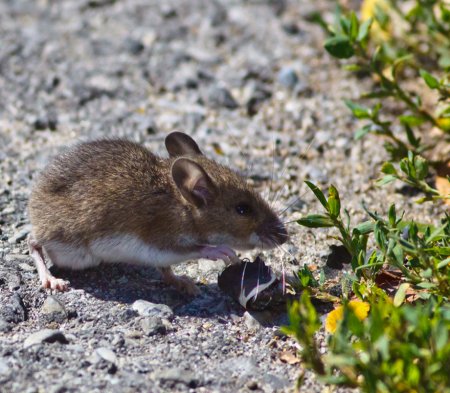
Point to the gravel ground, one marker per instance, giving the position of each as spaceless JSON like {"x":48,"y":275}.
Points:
{"x":250,"y":82}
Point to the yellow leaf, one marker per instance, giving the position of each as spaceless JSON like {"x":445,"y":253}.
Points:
{"x":368,"y":8}
{"x":444,"y":123}
{"x":289,"y":357}
{"x":359,"y":308}
{"x":441,"y":181}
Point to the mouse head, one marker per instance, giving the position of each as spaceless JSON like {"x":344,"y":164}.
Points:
{"x":226,"y":210}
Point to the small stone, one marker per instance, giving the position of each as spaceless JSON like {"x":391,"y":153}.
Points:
{"x":5,"y":326}
{"x":13,"y":310}
{"x":256,"y":94}
{"x":106,"y":354}
{"x":219,"y":97}
{"x":173,"y":376}
{"x":14,"y":281}
{"x":133,"y":334}
{"x":53,"y":309}
{"x":8,"y":210}
{"x":104,"y":358}
{"x":148,"y":309}
{"x":25,"y":266}
{"x":133,"y":46}
{"x":16,"y":257}
{"x":45,"y":335}
{"x":251,"y":322}
{"x":4,"y":369}
{"x":287,"y":77}
{"x":168,"y":11}
{"x":152,"y":326}
{"x":316,"y":175}
{"x":21,"y":235}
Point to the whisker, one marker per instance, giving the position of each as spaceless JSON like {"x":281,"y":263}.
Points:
{"x":287,"y":252}
{"x":273,"y":169}
{"x":278,"y":194}
{"x":289,"y":222}
{"x":292,"y":203}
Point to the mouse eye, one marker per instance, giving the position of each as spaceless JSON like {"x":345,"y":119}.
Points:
{"x":243,"y":209}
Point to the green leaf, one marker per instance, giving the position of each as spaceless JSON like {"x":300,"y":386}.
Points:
{"x":339,"y":46}
{"x":443,"y":263}
{"x":385,"y":180}
{"x":316,"y":221}
{"x":365,"y":227}
{"x":429,"y":79}
{"x":397,"y":251}
{"x":411,"y":120}
{"x":352,"y":67}
{"x":388,"y":168}
{"x":334,"y":202}
{"x":400,"y":295}
{"x":345,"y":24}
{"x":362,"y":132}
{"x":421,"y":166}
{"x":411,"y":137}
{"x":318,"y":193}
{"x":354,"y":26}
{"x":391,"y":215}
{"x":360,"y":112}
{"x":364,"y":29}
{"x":426,"y":285}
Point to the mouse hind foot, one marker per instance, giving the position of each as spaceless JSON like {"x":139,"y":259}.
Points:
{"x":46,"y":278}
{"x":181,"y":283}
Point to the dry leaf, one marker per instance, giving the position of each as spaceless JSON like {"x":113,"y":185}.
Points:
{"x":289,"y":357}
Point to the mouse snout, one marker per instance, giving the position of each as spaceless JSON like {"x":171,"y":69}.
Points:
{"x":273,"y":233}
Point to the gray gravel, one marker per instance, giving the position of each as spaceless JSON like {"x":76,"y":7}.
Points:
{"x":251,"y":83}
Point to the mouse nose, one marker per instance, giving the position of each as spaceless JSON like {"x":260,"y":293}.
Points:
{"x":280,"y":233}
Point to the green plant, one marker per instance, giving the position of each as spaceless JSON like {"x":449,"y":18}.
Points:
{"x":395,"y":349}
{"x":392,"y":62}
{"x":420,"y":252}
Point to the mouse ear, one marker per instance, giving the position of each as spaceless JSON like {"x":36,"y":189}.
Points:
{"x":193,"y":182}
{"x":181,"y":144}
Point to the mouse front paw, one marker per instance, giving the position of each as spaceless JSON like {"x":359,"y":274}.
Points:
{"x":224,"y":253}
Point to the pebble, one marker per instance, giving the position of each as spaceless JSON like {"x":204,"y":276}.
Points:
{"x":173,"y":376}
{"x":106,"y":354}
{"x":251,"y":322}
{"x":20,"y":235}
{"x":133,"y":46}
{"x":219,"y":97}
{"x":5,"y":326}
{"x":45,"y":335}
{"x":53,"y":309}
{"x":153,"y":325}
{"x":148,"y":309}
{"x":14,"y":281}
{"x":4,"y":368}
{"x":12,"y":310}
{"x":287,"y":77}
{"x":17,"y":257}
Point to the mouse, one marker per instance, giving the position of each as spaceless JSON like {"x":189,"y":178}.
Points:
{"x":114,"y":201}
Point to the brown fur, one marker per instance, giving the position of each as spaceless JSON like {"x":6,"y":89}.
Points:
{"x":107,"y":187}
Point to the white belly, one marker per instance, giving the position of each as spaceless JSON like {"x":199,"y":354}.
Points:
{"x":113,"y":249}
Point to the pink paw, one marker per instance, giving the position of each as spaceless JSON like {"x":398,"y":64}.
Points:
{"x":224,"y":253}
{"x":55,"y":284}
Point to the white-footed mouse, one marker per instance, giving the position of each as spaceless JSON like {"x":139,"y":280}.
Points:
{"x":112,"y":200}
